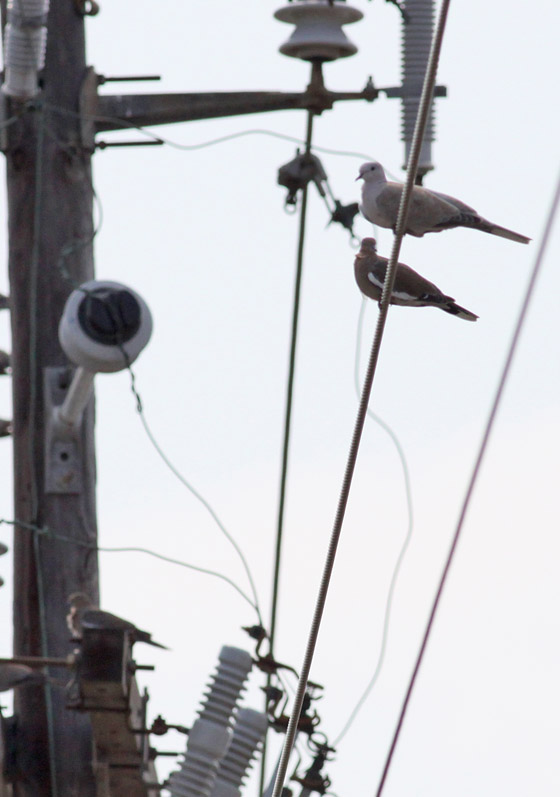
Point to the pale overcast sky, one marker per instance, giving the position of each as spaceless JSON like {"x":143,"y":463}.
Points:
{"x":203,"y":237}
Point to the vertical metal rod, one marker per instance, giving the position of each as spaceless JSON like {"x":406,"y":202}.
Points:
{"x":289,"y":395}
{"x":287,"y":425}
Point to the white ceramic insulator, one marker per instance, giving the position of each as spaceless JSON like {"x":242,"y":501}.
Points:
{"x":318,"y":35}
{"x":25,"y":44}
{"x":211,"y":734}
{"x":416,"y":43}
{"x":207,"y":745}
{"x":226,"y":686}
{"x":249,"y":731}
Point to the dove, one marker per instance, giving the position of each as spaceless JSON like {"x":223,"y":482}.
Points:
{"x":429,"y":211}
{"x":410,"y":289}
{"x":84,"y":614}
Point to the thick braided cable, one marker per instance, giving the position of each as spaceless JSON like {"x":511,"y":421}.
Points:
{"x":421,"y":121}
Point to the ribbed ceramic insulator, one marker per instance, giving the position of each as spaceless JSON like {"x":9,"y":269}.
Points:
{"x":416,"y":42}
{"x":27,"y":9}
{"x":25,"y":44}
{"x":210,"y":736}
{"x":249,"y":731}
{"x":226,"y":686}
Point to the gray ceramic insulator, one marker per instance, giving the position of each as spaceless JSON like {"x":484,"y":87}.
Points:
{"x":318,"y":35}
{"x":249,"y":731}
{"x":416,"y":43}
{"x":210,"y":736}
{"x":25,"y":44}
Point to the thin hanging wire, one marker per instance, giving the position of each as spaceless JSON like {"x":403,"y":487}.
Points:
{"x":476,"y":469}
{"x":419,"y":130}
{"x":190,"y":488}
{"x":287,"y":426}
{"x":48,"y":532}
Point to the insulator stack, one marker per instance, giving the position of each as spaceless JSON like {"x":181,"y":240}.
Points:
{"x":416,"y":43}
{"x":249,"y":731}
{"x":211,"y":734}
{"x":25,"y":44}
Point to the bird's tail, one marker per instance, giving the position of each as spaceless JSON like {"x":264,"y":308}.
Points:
{"x":503,"y":232}
{"x":456,"y":309}
{"x":469,"y":220}
{"x":143,"y":636}
{"x":155,"y":644}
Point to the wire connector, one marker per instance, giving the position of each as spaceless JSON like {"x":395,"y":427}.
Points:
{"x":299,"y":172}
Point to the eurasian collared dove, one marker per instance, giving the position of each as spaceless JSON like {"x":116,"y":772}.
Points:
{"x":410,"y":288}
{"x":429,"y":211}
{"x":84,"y":614}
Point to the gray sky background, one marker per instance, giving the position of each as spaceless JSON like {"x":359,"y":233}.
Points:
{"x":203,"y":237}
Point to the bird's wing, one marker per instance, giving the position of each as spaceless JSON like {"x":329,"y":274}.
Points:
{"x":455,"y":202}
{"x":105,"y":621}
{"x":429,"y":211}
{"x":408,"y":283}
{"x":96,"y":618}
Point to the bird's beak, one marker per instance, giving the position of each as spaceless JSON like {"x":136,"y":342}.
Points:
{"x":359,"y":177}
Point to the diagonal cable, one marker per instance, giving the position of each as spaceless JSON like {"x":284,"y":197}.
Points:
{"x":482,"y":450}
{"x":400,"y":558}
{"x":419,"y":130}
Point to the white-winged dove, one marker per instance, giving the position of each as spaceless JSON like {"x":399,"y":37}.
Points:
{"x":84,"y":614}
{"x":429,"y":211}
{"x":410,"y":289}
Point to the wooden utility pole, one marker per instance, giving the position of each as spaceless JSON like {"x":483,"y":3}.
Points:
{"x":50,"y":230}
{"x":48,"y":145}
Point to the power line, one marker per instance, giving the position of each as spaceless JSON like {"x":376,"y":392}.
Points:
{"x":404,"y":547}
{"x":420,"y":127}
{"x":474,"y":476}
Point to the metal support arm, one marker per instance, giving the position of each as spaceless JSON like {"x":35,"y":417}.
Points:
{"x":118,"y":111}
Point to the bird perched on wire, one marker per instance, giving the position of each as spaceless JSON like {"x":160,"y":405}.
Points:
{"x":410,"y":289}
{"x":13,"y":676}
{"x":84,"y":614}
{"x":429,"y":211}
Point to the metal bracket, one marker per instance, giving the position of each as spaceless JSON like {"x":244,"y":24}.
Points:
{"x":88,"y":109}
{"x":63,"y":446}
